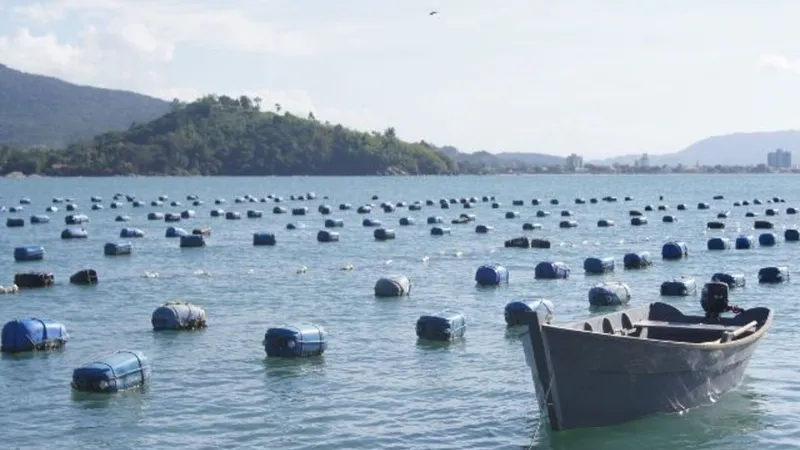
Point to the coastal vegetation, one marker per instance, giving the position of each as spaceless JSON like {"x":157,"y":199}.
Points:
{"x":232,"y":136}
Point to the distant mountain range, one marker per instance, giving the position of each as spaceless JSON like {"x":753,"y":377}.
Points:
{"x":736,"y":149}
{"x":41,"y":111}
{"x":504,"y":159}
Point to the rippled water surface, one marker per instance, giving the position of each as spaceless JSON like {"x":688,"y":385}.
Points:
{"x":376,"y":386}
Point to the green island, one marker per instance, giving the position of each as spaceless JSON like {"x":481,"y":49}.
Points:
{"x":232,"y":136}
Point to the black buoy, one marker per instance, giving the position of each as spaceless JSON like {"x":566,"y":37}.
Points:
{"x":84,"y":277}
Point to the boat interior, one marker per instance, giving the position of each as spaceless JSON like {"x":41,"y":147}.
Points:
{"x":662,"y":321}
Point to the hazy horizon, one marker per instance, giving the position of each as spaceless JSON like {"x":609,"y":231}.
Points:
{"x":552,"y":77}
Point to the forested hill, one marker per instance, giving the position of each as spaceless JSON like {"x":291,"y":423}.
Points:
{"x":41,"y":111}
{"x":231,"y":136}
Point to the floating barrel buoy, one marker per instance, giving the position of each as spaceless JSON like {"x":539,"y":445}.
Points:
{"x":84,"y":277}
{"x":512,"y":214}
{"x":74,"y":233}
{"x":383,"y":234}
{"x":345,"y":206}
{"x":364,"y":209}
{"x":279,"y":210}
{"x":368,"y":222}
{"x":460,"y":221}
{"x":415,"y":207}
{"x":779,"y":274}
{"x":122,"y":218}
{"x":663,"y":207}
{"x":767,"y":239}
{"x":324,"y":209}
{"x":540,"y":243}
{"x":762,"y":225}
{"x":610,"y":293}
{"x":517,"y":202}
{"x":75,"y":219}
{"x":232,"y":215}
{"x":29,"y":253}
{"x":635,"y":213}
{"x":172,"y":217}
{"x":681,"y":207}
{"x":468,"y":217}
{"x":541,"y":213}
{"x":638,"y":221}
{"x":580,"y":201}
{"x":117,"y":248}
{"x":496,"y":205}
{"x":598,"y":265}
{"x":791,"y":210}
{"x":553,"y":201}
{"x":719,"y":243}
{"x":179,"y":316}
{"x":636,"y":260}
{"x":131,"y":233}
{"x":791,"y":235}
{"x":674,"y":250}
{"x":155,"y":216}
{"x":97,"y":207}
{"x":393,"y":286}
{"x":439,"y":231}
{"x":327,"y":236}
{"x":669,"y":219}
{"x":192,"y":241}
{"x":113,"y":373}
{"x":138,"y":204}
{"x":733,"y":280}
{"x":32,"y":280}
{"x":491,"y":275}
{"x":156,"y":203}
{"x":536,"y":201}
{"x":718,"y":197}
{"x":702,"y":205}
{"x":406,"y":221}
{"x":771,"y":212}
{"x":567,"y":224}
{"x":593,"y":200}
{"x":441,"y":326}
{"x":175,"y":232}
{"x":715,"y":225}
{"x":750,"y":214}
{"x":39,"y":219}
{"x":71,"y":207}
{"x":263,"y":238}
{"x":188,"y":214}
{"x":292,"y":342}
{"x":25,"y":335}
{"x":679,"y":287}
{"x":605,"y":223}
{"x":527,"y":226}
{"x":51,"y":209}
{"x":483,"y":229}
{"x":648,"y":208}
{"x":567,"y":213}
{"x":518,"y":242}
{"x":388,"y":208}
{"x":549,"y":270}
{"x":515,"y":312}
{"x":205,"y":231}
{"x":334,"y":223}
{"x":745,"y":242}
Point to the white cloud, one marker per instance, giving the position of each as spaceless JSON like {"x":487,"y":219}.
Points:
{"x":779,"y":62}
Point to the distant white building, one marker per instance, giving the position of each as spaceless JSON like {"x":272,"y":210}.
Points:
{"x":779,"y":159}
{"x":574,"y":162}
{"x":642,"y":162}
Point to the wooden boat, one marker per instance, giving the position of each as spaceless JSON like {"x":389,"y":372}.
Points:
{"x":632,"y":363}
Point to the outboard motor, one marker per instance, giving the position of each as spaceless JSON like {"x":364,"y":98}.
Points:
{"x":714,"y":300}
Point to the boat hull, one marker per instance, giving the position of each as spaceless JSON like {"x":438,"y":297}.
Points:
{"x":596,"y":379}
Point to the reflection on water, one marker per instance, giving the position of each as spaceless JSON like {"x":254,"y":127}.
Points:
{"x":722,"y":424}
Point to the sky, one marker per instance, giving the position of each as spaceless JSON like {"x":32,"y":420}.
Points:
{"x":597,"y":78}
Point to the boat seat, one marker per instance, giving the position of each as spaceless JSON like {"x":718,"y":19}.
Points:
{"x":685,"y":326}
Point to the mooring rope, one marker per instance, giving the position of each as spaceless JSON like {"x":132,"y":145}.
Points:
{"x":540,"y":421}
